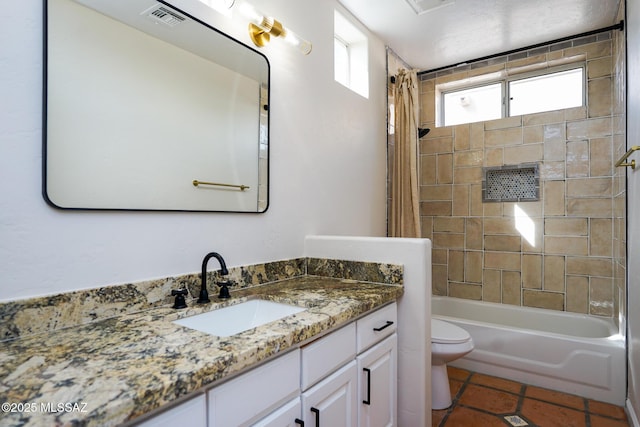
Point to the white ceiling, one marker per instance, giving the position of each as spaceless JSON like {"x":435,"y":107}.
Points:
{"x":463,"y":30}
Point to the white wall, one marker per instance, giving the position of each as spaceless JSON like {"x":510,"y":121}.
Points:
{"x":327,"y":177}
{"x":632,"y":28}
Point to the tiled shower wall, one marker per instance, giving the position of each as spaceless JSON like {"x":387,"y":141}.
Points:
{"x":574,"y":245}
{"x":619,"y":176}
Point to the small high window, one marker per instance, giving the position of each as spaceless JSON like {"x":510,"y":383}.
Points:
{"x":351,"y":56}
{"x":513,"y":96}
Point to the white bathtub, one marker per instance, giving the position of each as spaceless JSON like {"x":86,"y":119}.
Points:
{"x":567,"y":352}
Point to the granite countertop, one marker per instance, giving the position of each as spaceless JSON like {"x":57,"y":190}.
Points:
{"x":113,"y":371}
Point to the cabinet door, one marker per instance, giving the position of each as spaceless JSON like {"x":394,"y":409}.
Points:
{"x":193,"y":412}
{"x":286,"y":416}
{"x":332,"y":402}
{"x":377,"y":384}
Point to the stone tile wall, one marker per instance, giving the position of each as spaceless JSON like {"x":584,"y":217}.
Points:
{"x":619,"y":175}
{"x":557,"y":252}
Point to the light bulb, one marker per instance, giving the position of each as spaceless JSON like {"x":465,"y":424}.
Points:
{"x":250,"y":13}
{"x":299,"y":43}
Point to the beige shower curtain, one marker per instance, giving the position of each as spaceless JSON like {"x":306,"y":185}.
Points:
{"x":404,"y":217}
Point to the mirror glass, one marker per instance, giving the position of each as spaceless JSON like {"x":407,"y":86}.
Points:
{"x":148,"y":108}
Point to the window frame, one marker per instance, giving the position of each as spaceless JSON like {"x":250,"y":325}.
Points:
{"x":474,"y":86}
{"x":505,"y":86}
{"x":347,"y":49}
{"x":548,"y":71}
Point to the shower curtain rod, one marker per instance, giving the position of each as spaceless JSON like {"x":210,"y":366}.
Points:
{"x":618,"y":26}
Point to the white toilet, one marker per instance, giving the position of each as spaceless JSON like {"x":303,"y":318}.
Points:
{"x":448,"y":343}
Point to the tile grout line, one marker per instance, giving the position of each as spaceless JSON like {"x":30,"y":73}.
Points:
{"x":522,"y":397}
{"x":457,"y":404}
{"x":587,"y":415}
{"x":454,"y":402}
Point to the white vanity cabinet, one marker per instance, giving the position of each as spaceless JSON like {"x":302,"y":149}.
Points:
{"x":252,"y":397}
{"x":192,"y":413}
{"x":349,"y":376}
{"x":344,"y":379}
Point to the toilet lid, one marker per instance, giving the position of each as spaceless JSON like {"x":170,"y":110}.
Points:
{"x":445,"y":332}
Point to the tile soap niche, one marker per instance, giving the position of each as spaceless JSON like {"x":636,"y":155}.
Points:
{"x":516,"y":183}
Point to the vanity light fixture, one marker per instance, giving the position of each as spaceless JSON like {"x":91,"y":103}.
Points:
{"x":220,"y":6}
{"x":262,"y":27}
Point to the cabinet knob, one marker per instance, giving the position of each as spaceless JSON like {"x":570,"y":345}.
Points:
{"x":299,"y":422}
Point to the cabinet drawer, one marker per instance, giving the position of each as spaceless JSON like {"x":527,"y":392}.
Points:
{"x":253,"y":395}
{"x":376,"y":326}
{"x":327,"y":354}
{"x":192,"y":413}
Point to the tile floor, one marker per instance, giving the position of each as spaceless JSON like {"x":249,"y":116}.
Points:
{"x":484,"y":401}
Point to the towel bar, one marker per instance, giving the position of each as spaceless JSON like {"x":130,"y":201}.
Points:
{"x":627,"y":154}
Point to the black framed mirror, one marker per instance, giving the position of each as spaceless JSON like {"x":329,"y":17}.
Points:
{"x":149,"y":108}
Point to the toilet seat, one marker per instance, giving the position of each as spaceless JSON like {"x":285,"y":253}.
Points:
{"x":447,"y":333}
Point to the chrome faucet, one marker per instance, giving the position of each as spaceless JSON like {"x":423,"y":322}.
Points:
{"x":204,"y":295}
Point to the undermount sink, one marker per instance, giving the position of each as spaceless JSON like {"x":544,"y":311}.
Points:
{"x":237,"y":318}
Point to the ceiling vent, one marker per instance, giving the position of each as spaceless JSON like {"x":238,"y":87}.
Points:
{"x":164,"y":15}
{"x":424,"y":6}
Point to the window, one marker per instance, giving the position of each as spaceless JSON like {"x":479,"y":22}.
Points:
{"x":547,"y":92}
{"x":351,"y":56}
{"x":512,"y":96}
{"x":473,"y":105}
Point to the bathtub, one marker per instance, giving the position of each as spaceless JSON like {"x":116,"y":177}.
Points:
{"x":568,"y":352}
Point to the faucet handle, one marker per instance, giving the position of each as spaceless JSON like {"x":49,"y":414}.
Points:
{"x":180,"y":301}
{"x":224,"y":289}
